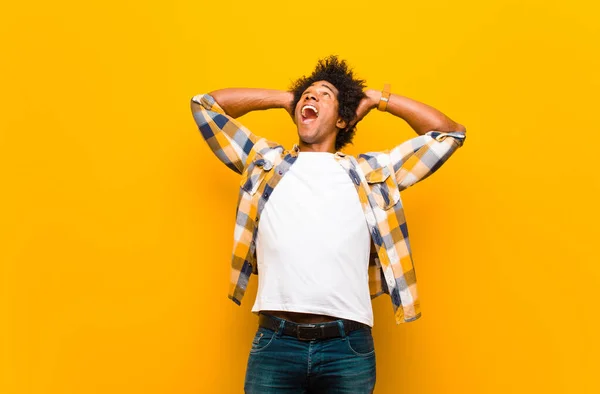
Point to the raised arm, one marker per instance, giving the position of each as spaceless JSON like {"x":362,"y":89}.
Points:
{"x":215,"y":115}
{"x":239,"y":101}
{"x":417,"y":158}
{"x":439,"y":137}
{"x":421,"y":117}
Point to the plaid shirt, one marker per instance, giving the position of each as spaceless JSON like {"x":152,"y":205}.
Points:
{"x":378,"y":177}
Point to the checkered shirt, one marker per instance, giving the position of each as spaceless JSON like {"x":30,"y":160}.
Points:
{"x":377,"y":176}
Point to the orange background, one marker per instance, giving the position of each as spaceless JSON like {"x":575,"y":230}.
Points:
{"x":117,"y":221}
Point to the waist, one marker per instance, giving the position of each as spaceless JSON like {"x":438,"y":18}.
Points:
{"x":310,"y":331}
{"x":299,"y":317}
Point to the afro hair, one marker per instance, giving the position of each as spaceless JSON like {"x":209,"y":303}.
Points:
{"x":350,"y":92}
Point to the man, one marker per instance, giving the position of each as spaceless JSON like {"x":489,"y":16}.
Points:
{"x":325,"y":230}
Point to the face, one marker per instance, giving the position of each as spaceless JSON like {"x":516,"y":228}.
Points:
{"x":316,"y":114}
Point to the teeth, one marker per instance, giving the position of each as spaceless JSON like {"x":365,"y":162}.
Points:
{"x":311,"y":107}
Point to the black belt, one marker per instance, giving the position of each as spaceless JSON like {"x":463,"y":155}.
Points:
{"x":309,"y":331}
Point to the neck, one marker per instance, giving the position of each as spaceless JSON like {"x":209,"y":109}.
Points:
{"x":322,"y":146}
{"x":316,"y":147}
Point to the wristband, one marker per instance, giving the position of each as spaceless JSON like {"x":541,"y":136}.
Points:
{"x":385,"y":97}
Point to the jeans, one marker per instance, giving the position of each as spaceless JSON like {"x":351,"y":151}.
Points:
{"x":280,"y":363}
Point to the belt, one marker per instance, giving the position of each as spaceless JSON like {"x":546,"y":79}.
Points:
{"x":309,"y":331}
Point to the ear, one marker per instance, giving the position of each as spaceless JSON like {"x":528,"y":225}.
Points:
{"x":341,"y":123}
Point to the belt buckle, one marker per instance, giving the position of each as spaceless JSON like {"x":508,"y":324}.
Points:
{"x":305,"y":328}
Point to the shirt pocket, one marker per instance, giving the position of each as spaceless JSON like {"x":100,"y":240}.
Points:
{"x":383,"y":188}
{"x":255,"y":174}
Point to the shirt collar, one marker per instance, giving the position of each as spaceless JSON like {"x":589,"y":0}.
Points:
{"x":296,"y":149}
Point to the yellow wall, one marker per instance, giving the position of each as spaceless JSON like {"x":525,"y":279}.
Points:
{"x":115,"y":249}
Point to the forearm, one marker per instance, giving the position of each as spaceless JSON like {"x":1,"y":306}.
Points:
{"x":421,"y":117}
{"x":239,"y":101}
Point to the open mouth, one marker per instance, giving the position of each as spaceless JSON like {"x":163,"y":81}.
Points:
{"x":309,"y":113}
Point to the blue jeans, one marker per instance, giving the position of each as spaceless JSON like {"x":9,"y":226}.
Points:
{"x":280,"y":363}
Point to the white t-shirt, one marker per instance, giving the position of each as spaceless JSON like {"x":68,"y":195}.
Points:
{"x":313,"y":243}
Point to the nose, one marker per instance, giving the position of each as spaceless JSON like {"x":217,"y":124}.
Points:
{"x":310,"y":96}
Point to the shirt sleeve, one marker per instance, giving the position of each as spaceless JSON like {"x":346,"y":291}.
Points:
{"x":416,"y":159}
{"x":229,"y":140}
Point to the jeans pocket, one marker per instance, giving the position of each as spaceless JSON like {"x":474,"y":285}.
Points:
{"x":360,"y":342}
{"x":262,"y":339}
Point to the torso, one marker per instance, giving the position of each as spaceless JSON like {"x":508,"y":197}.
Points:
{"x":313,"y":246}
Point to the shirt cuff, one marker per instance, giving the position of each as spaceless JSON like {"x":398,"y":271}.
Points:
{"x":208,"y":102}
{"x":459,"y":136}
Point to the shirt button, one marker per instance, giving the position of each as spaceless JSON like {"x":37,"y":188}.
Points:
{"x":280,"y":172}
{"x":266,"y":195}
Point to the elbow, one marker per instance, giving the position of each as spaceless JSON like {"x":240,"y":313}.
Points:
{"x":449,"y":127}
{"x":461,"y":129}
{"x":195,"y":102}
{"x":453,"y":126}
